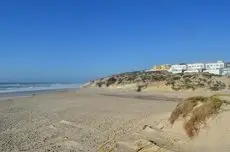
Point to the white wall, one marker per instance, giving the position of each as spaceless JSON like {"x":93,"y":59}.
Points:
{"x":214,"y":71}
{"x":178,"y":67}
{"x":176,"y":71}
{"x":226,"y":71}
{"x":214,"y":66}
{"x":227,"y":65}
{"x":192,"y":71}
{"x":195,"y":66}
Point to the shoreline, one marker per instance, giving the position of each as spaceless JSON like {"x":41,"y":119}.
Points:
{"x":11,"y":95}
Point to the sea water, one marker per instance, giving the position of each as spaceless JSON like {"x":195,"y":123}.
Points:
{"x":12,"y":89}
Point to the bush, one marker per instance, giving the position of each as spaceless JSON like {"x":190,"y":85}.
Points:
{"x":218,"y":85}
{"x":177,"y":77}
{"x":208,"y":75}
{"x":187,"y":76}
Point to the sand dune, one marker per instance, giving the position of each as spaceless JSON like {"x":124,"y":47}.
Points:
{"x":160,"y":135}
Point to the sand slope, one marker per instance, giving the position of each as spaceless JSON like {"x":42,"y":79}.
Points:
{"x":160,"y":135}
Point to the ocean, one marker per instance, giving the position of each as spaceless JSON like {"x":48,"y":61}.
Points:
{"x":17,"y":89}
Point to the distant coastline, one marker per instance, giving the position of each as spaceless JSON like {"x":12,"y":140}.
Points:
{"x":29,"y":88}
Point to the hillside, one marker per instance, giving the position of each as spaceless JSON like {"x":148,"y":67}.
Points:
{"x":140,"y":81}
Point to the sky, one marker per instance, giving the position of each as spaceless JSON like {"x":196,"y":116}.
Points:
{"x":75,"y":40}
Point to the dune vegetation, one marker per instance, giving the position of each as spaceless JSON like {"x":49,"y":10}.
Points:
{"x":196,"y":111}
{"x":141,"y":80}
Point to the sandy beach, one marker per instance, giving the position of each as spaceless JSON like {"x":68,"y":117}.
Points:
{"x":76,"y":120}
{"x":89,"y":119}
{"x":114,"y":76}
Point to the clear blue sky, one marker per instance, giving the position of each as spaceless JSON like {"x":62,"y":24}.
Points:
{"x":76,"y":39}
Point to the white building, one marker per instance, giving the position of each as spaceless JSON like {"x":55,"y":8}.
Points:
{"x":227,"y":65}
{"x":178,"y":68}
{"x":219,"y":68}
{"x":214,"y":66}
{"x":225,"y":71}
{"x":214,"y":71}
{"x":176,"y":71}
{"x":195,"y":67}
{"x":192,"y":71}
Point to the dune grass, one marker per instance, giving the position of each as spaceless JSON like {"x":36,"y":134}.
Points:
{"x":185,"y":107}
{"x":197,"y":110}
{"x":201,"y":114}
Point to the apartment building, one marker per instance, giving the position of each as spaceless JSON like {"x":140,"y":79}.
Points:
{"x":214,"y":67}
{"x":225,"y":71}
{"x":178,"y":68}
{"x":219,"y":68}
{"x":227,"y":65}
{"x":195,"y":67}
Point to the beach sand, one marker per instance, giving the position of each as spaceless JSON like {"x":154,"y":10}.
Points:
{"x":76,"y":120}
{"x":79,"y":121}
